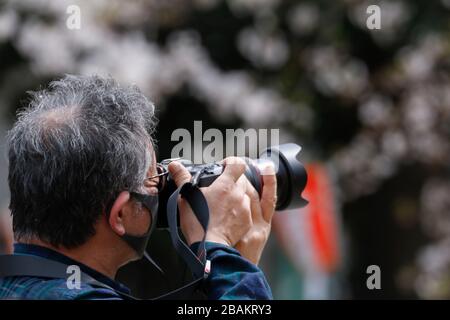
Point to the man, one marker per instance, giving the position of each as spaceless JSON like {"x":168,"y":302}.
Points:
{"x":81,"y":161}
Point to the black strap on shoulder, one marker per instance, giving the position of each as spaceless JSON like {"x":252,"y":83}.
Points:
{"x":34,"y":266}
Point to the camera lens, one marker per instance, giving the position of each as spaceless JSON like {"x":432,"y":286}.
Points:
{"x":290,"y":172}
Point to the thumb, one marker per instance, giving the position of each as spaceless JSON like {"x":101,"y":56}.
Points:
{"x":179,"y":173}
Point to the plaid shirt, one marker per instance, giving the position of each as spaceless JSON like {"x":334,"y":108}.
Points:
{"x":231,"y":277}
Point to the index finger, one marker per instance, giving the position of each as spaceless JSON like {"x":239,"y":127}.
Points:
{"x":234,"y":168}
{"x":179,"y":173}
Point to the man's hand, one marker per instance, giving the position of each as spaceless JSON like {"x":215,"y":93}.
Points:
{"x":229,"y":205}
{"x":252,"y":244}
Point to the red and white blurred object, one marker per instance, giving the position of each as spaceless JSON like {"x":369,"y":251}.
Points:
{"x":310,"y":237}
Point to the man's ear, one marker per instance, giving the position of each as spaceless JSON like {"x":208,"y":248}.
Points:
{"x":121,"y":207}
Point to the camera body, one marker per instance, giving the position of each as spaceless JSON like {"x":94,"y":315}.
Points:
{"x":290,"y":173}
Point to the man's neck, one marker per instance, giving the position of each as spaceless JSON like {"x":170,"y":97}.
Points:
{"x":86,"y":254}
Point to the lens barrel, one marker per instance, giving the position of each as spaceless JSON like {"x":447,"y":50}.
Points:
{"x":290,"y":172}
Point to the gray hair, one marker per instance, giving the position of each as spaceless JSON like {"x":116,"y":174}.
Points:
{"x":72,"y":151}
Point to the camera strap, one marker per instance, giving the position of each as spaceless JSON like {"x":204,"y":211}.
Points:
{"x":197,"y":263}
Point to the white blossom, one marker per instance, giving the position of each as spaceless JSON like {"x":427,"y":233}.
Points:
{"x":304,"y":18}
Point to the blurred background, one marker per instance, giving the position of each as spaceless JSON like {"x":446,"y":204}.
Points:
{"x":371,"y":109}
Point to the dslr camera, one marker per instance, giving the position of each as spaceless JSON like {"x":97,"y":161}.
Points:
{"x":290,"y":173}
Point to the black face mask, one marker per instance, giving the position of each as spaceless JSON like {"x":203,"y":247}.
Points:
{"x":139,"y":243}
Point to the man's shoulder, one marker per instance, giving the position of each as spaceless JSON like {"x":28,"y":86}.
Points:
{"x":34,"y":288}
